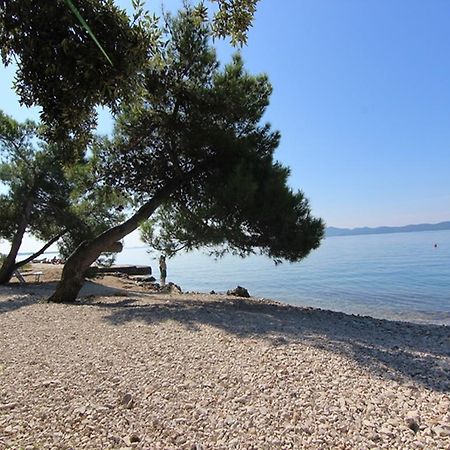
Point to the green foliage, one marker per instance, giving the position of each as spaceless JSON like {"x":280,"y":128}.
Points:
{"x":199,"y":126}
{"x":94,"y":206}
{"x":233,"y":19}
{"x":80,"y":18}
{"x":58,"y":197}
{"x":75,"y":55}
{"x":61,"y":68}
{"x":32,"y":173}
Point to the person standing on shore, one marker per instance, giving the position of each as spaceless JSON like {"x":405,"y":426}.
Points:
{"x":163,"y":270}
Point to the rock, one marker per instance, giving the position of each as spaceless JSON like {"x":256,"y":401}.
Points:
{"x":127,"y":400}
{"x":171,"y":288}
{"x":213,"y":292}
{"x":202,"y":411}
{"x":412,"y":424}
{"x":386,"y":431}
{"x":196,"y":447}
{"x":412,"y":420}
{"x":239,"y":292}
{"x":80,"y":410}
{"x":6,"y":406}
{"x":441,"y":431}
{"x":48,"y":383}
{"x":279,"y":340}
{"x":135,"y":438}
{"x":374,"y":436}
{"x":230,"y":420}
{"x":413,"y":415}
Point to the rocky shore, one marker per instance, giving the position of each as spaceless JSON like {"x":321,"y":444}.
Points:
{"x":128,"y":368}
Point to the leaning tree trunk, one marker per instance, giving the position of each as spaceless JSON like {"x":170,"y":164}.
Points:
{"x":72,"y":278}
{"x":8,"y":266}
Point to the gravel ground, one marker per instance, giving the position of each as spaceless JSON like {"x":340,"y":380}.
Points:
{"x":132,"y":369}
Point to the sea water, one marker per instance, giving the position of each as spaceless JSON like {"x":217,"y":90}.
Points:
{"x":403,"y":276}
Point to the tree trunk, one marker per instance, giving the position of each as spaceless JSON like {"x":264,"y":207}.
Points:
{"x":72,"y":278}
{"x":8,"y":266}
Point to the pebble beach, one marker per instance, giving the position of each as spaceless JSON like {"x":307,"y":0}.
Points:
{"x":129,"y":368}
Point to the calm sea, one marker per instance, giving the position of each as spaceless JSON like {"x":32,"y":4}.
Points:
{"x":397,"y":276}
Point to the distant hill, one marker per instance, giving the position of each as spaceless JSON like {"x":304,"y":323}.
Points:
{"x":333,"y":231}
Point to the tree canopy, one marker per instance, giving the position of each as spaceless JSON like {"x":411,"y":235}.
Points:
{"x":193,"y":146}
{"x":62,"y":70}
{"x":200,"y":125}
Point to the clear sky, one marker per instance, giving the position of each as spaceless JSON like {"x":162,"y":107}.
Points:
{"x":362,"y":100}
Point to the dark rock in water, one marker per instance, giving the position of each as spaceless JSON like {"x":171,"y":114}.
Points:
{"x":239,"y":292}
{"x":213,"y":292}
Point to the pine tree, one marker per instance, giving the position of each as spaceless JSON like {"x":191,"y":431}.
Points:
{"x":194,"y":149}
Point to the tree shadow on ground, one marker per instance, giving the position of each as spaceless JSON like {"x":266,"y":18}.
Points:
{"x":400,"y":351}
{"x":92,"y":289}
{"x":22,"y":295}
{"x":15,"y":303}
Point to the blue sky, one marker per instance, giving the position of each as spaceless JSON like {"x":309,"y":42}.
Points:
{"x":362,"y":100}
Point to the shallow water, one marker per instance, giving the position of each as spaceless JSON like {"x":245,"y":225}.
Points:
{"x":396,"y":276}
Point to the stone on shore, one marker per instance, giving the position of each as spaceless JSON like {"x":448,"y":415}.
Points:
{"x":170,"y":288}
{"x":239,"y":292}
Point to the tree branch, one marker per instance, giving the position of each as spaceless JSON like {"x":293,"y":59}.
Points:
{"x":42,"y":250}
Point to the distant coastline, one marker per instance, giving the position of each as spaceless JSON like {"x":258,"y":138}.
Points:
{"x":333,"y":231}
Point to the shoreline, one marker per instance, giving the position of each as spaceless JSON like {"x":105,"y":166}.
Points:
{"x":129,"y":368}
{"x":439,"y":318}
